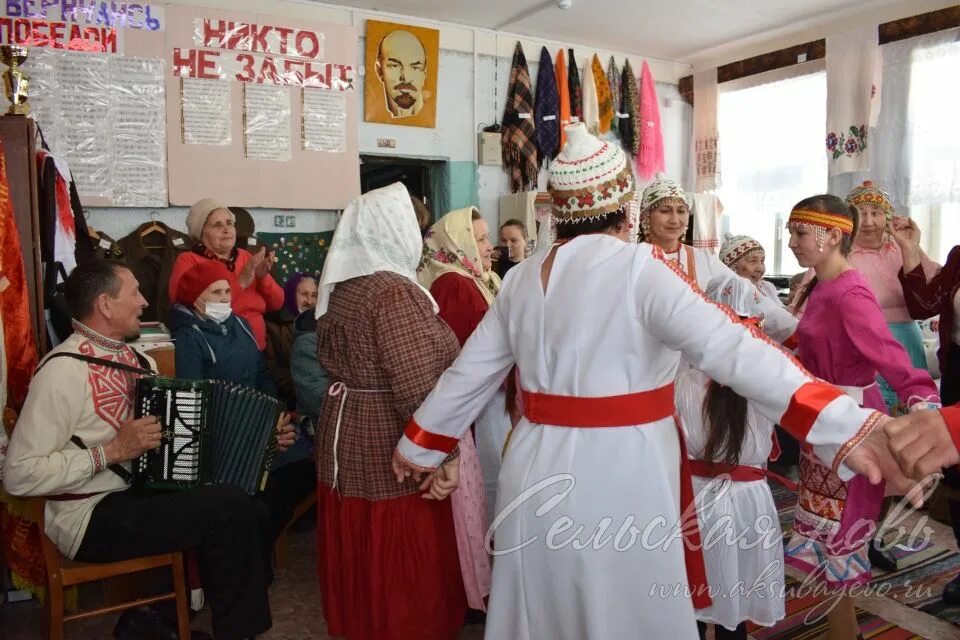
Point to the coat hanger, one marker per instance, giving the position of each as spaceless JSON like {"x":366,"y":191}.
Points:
{"x":153,"y":227}
{"x":93,"y":233}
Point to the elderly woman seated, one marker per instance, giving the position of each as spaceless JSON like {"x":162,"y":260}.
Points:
{"x":213,"y":343}
{"x":255,"y":292}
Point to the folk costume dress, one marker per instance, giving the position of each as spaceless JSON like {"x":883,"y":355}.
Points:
{"x":740,"y":529}
{"x":387,"y":558}
{"x":844,"y":340}
{"x":881,"y":268}
{"x":701,"y":266}
{"x":452,"y":270}
{"x":614,"y":321}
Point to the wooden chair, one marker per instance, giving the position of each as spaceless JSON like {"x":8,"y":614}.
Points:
{"x":281,"y":547}
{"x":63,"y":572}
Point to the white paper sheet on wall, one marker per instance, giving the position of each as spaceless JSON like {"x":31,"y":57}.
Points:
{"x":266,"y":122}
{"x":83,"y":83}
{"x":205,"y":111}
{"x":324,"y":126}
{"x":139,"y":124}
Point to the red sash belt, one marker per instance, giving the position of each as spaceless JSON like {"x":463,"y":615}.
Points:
{"x":737,"y":473}
{"x":632,"y":409}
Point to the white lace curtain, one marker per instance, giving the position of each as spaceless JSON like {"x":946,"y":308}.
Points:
{"x":916,"y":144}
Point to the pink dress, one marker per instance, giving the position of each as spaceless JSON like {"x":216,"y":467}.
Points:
{"x":844,"y":339}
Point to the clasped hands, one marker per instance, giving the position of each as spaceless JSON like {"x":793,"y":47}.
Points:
{"x":437,"y":484}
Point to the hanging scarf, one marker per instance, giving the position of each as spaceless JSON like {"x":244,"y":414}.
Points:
{"x":650,"y":160}
{"x":230,"y":263}
{"x":576,"y":92}
{"x":604,"y":99}
{"x":629,"y":111}
{"x":450,"y":247}
{"x":547,"y":109}
{"x":591,"y":104}
{"x":378,"y":231}
{"x":613,"y":82}
{"x":563,"y":91}
{"x":519,"y":147}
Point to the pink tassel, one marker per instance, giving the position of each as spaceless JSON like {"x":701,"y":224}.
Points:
{"x":650,"y":159}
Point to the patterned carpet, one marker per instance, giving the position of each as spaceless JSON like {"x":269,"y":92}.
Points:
{"x":919,"y":581}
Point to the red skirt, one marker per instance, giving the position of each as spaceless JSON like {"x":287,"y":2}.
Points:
{"x":389,"y":569}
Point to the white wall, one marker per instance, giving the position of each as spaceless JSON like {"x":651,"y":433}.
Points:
{"x":474,"y":74}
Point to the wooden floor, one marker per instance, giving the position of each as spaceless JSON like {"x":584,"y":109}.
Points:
{"x":295,"y":603}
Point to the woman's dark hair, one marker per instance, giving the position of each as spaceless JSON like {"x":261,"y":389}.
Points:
{"x":87,"y":282}
{"x":725,"y":417}
{"x":570,"y":230}
{"x":513,"y":222}
{"x":826,"y":203}
{"x":475,"y":215}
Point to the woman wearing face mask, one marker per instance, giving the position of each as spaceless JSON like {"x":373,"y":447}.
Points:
{"x":664,"y":218}
{"x":456,"y":268}
{"x":214,"y":343}
{"x":211,"y":225}
{"x":299,"y":295}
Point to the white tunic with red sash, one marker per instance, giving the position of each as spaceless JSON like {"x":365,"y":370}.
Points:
{"x":591,"y":486}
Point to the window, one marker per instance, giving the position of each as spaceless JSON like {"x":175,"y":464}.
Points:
{"x":771,"y":153}
{"x":933,"y":135}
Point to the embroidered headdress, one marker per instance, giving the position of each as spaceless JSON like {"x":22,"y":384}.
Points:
{"x":819,"y":222}
{"x":869,"y":193}
{"x":589,"y":179}
{"x":662,"y":188}
{"x":735,"y":248}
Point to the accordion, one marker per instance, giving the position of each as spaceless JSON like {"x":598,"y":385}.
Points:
{"x":213,"y":432}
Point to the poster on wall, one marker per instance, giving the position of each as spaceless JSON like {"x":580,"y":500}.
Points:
{"x":267,"y":105}
{"x":400,"y":86}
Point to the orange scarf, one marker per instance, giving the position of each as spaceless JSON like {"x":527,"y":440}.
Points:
{"x":564,"y":90}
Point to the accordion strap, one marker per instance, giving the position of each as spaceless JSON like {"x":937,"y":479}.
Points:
{"x":143,"y":370}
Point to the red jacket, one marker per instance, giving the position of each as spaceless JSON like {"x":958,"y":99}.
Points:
{"x":927,"y":299}
{"x":263,"y":295}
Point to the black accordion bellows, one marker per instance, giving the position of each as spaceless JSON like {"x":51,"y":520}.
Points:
{"x":214,"y":432}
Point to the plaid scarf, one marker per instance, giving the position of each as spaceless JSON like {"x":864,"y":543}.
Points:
{"x":230,"y":263}
{"x":519,"y":149}
{"x":576,"y":91}
{"x":604,"y":100}
{"x":613,"y":82}
{"x":547,"y":109}
{"x":630,"y":107}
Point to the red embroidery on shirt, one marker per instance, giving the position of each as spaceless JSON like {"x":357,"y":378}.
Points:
{"x":112,"y":390}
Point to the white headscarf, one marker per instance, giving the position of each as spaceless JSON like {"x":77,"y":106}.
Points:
{"x":378,"y":231}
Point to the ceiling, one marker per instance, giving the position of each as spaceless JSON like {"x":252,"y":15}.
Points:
{"x":665,"y":29}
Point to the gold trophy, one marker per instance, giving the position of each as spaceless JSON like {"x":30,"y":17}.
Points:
{"x":16,"y":83}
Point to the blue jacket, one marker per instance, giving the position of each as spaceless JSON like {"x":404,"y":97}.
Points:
{"x":208,"y":350}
